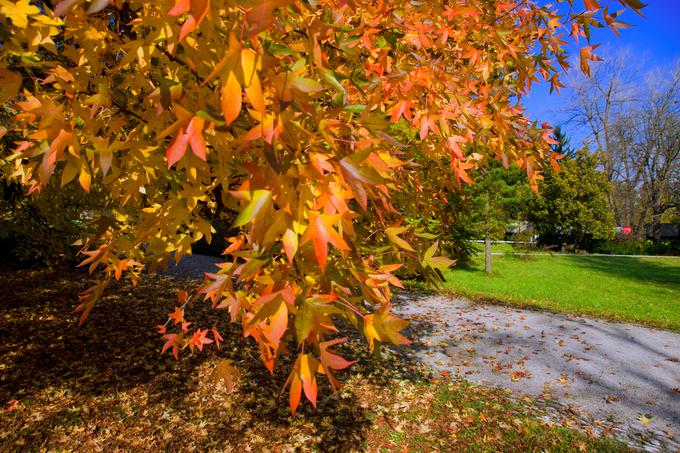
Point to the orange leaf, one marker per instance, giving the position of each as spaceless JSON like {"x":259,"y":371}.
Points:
{"x":295,"y":391}
{"x":85,"y":179}
{"x":308,"y":367}
{"x":54,"y":153}
{"x":320,"y":231}
{"x":180,"y":7}
{"x":177,"y":315}
{"x":11,"y":405}
{"x":255,"y":96}
{"x":231,"y":98}
{"x":278,"y":323}
{"x":586,"y":56}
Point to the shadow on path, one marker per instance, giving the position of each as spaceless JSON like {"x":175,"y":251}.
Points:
{"x":610,"y":371}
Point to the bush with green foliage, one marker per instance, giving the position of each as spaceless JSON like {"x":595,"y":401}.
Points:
{"x":42,"y":229}
{"x":571,"y":209}
{"x":637,"y":247}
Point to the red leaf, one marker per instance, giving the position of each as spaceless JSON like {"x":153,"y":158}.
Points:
{"x":330,"y":360}
{"x":172,"y":342}
{"x":196,"y":140}
{"x":177,"y":148}
{"x":261,"y":16}
{"x":188,"y":26}
{"x":181,"y":7}
{"x":11,"y":405}
{"x":199,"y":339}
{"x":591,"y":5}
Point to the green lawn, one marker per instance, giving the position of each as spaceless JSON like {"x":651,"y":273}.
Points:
{"x":642,"y":290}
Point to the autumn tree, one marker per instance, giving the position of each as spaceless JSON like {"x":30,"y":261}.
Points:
{"x":274,"y":115}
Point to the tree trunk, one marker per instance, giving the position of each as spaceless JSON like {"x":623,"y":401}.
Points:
{"x":655,"y":226}
{"x":487,"y":251}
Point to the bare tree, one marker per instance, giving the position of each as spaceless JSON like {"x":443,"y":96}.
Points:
{"x":633,"y":120}
{"x":656,"y":145}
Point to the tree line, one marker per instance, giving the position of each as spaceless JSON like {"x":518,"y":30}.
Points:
{"x":632,"y":118}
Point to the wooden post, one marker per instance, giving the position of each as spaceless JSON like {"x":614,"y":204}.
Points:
{"x":487,"y":251}
{"x":487,"y":239}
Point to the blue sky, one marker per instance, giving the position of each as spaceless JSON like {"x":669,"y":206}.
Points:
{"x":654,"y":37}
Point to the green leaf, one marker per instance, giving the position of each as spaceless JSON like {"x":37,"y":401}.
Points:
{"x":424,"y":235}
{"x":257,"y":203}
{"x":277,"y":49}
{"x":306,"y":85}
{"x":207,"y":116}
{"x":355,"y":108}
{"x":330,"y":78}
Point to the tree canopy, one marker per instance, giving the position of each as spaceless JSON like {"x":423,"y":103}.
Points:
{"x":274,"y":115}
{"x":572,"y":207}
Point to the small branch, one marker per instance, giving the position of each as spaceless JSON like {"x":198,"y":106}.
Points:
{"x":179,"y":61}
{"x":125,"y":110}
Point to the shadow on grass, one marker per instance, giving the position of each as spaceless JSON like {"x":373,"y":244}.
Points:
{"x":104,"y":385}
{"x":659,"y":273}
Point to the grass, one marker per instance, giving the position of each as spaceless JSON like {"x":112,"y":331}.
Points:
{"x":495,"y":248}
{"x":104,"y":386}
{"x":632,"y":289}
{"x":458,"y":416}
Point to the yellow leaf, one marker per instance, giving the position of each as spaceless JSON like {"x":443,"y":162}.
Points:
{"x":644,"y":420}
{"x":18,"y":12}
{"x":290,"y":244}
{"x":392,"y":234}
{"x":70,"y":171}
{"x":84,"y":179}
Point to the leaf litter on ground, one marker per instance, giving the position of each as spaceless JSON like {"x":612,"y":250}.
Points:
{"x":104,"y":386}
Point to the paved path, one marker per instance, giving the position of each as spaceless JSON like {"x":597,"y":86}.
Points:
{"x":193,"y":266}
{"x":624,"y":378}
{"x":616,"y":377}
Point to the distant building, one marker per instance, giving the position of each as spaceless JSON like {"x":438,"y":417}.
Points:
{"x":520,"y":226}
{"x":667,"y":231}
